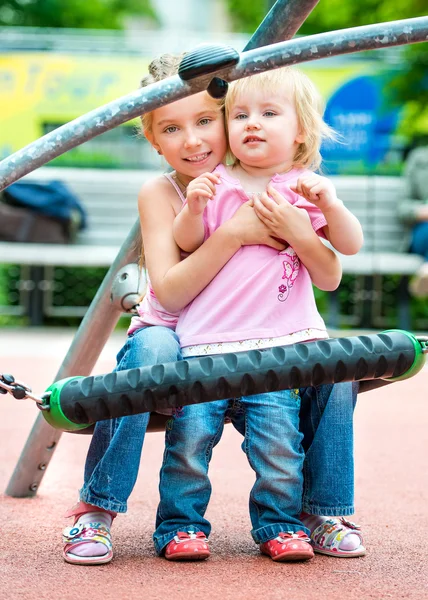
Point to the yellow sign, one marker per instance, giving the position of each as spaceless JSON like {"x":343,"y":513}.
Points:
{"x":42,"y":89}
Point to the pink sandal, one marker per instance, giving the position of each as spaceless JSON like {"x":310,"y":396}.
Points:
{"x":326,"y":538}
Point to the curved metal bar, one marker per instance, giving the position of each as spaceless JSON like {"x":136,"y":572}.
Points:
{"x":281,"y":23}
{"x":345,"y":41}
{"x":94,"y":123}
{"x":333,"y":43}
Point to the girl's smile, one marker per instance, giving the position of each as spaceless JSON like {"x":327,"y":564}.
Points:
{"x":190,"y":135}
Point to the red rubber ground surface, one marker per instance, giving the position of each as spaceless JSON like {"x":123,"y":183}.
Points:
{"x":391,"y":498}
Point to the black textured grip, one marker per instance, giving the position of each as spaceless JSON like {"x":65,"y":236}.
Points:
{"x":205,"y":59}
{"x":148,"y":389}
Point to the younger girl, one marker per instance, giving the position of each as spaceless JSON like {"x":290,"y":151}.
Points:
{"x":262,"y":298}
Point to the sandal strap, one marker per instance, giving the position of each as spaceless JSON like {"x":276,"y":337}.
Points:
{"x":183,"y":536}
{"x":331,"y":533}
{"x":89,"y":532}
{"x":292,"y":535}
{"x":81,"y":508}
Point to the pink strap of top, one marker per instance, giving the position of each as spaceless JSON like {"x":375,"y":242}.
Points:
{"x":172,"y":181}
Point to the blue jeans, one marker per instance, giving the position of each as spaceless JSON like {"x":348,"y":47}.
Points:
{"x":273,"y":447}
{"x":113,"y":458}
{"x":326,"y":421}
{"x":419,"y":243}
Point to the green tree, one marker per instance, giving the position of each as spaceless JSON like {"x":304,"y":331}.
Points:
{"x":93,"y":14}
{"x":329,"y":15}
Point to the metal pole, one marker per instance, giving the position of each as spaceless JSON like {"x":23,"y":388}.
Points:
{"x":90,"y":338}
{"x":283,"y":20}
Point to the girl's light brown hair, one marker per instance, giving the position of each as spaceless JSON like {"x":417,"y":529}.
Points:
{"x":160,"y":68}
{"x":308,"y":103}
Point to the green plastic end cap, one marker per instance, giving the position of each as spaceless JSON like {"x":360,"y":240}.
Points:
{"x":54,"y":416}
{"x":418,"y":362}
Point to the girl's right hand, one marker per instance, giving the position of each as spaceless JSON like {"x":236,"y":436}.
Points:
{"x":249,"y":230}
{"x":200,"y":191}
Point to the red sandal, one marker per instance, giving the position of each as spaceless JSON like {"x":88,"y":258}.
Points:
{"x":188,"y":546}
{"x":288,"y":546}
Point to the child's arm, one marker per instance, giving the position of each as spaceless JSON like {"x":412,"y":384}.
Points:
{"x":177,"y":282}
{"x":343,"y":229}
{"x":188,"y":226}
{"x":293,"y":224}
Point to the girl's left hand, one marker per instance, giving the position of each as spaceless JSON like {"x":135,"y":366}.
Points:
{"x":285,"y":221}
{"x":317,"y":190}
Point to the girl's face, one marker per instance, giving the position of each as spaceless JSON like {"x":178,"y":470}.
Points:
{"x":190,"y":134}
{"x":264,"y":130}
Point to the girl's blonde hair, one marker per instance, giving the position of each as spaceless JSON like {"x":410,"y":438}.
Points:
{"x":308,"y":103}
{"x":160,"y":68}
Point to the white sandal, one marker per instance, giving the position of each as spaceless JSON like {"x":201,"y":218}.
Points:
{"x":327,"y":537}
{"x":82,"y":534}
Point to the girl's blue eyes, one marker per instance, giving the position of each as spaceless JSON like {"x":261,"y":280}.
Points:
{"x":268,"y":113}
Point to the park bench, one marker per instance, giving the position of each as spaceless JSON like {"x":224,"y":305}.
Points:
{"x":374,"y":200}
{"x":110,"y":198}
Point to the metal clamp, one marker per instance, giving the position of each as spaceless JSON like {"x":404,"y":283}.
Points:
{"x":423,"y":340}
{"x":128,"y":287}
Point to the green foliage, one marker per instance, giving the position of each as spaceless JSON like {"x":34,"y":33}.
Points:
{"x":410,"y":88}
{"x":329,"y":15}
{"x":93,"y":14}
{"x":246,"y":16}
{"x":336,"y":14}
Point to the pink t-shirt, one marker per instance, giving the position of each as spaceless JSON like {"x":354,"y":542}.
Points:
{"x":150,"y":310}
{"x":260,"y":293}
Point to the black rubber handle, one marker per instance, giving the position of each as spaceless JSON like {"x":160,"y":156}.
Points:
{"x":205,"y":59}
{"x":95,"y":398}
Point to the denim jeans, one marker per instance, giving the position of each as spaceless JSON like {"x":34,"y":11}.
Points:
{"x":326,"y":421}
{"x":272,"y":444}
{"x":113,"y":458}
{"x":419,"y":243}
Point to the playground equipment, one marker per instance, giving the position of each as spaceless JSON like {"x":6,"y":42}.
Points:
{"x":281,"y":23}
{"x":74,"y":403}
